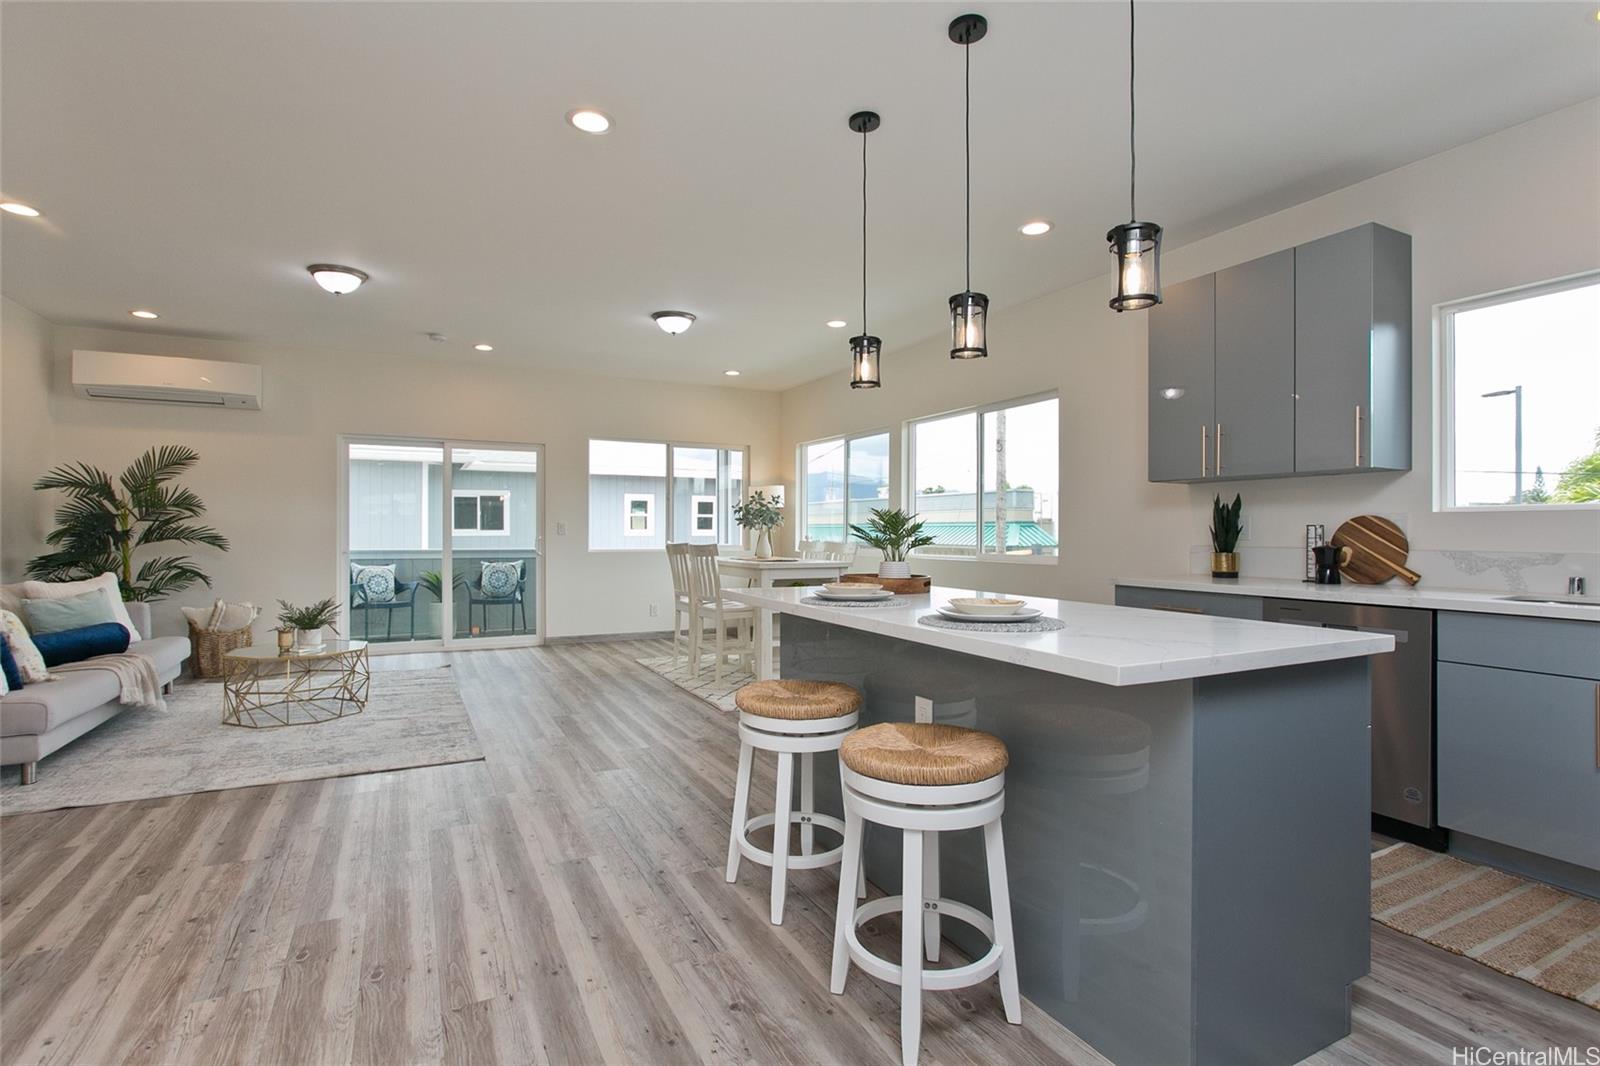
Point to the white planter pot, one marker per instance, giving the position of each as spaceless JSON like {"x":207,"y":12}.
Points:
{"x":763,"y":547}
{"x":307,"y":639}
{"x":888,"y":569}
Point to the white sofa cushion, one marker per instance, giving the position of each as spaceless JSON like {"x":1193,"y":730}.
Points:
{"x":41,"y":707}
{"x":106,"y":584}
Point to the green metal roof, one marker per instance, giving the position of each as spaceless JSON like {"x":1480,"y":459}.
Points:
{"x":962,"y":534}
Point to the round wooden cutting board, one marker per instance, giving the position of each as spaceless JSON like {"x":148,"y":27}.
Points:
{"x":1378,"y":551}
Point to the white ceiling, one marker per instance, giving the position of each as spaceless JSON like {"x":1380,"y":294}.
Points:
{"x":194,"y":158}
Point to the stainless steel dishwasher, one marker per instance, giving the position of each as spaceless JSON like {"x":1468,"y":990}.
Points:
{"x":1402,"y":708}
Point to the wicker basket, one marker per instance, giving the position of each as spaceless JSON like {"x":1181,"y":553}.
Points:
{"x":211,"y":645}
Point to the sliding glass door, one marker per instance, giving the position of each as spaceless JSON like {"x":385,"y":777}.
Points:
{"x":441,"y":542}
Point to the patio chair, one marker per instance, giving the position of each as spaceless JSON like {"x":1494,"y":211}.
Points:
{"x":404,"y":599}
{"x":478,"y":597}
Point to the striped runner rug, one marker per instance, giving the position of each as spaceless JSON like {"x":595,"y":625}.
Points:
{"x":1543,"y":935}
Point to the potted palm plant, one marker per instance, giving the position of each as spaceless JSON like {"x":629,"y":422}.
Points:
{"x":1225,"y":529}
{"x":433,"y":581}
{"x":308,"y":622}
{"x":760,"y":513}
{"x":895,"y":534}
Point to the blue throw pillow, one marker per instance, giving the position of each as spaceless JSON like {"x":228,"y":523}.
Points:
{"x":68,"y":612}
{"x":76,"y":645}
{"x":375,"y":583}
{"x":8,"y":663}
{"x":499,"y":580}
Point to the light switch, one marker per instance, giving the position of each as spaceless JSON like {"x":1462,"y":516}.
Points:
{"x":561,"y":529}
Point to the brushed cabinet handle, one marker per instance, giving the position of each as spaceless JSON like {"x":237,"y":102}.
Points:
{"x":1198,"y":610}
{"x":1358,"y":434}
{"x":1597,"y":726}
{"x":1204,"y":440}
{"x":1219,"y":449}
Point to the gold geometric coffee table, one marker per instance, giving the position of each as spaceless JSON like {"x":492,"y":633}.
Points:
{"x":263,"y":689}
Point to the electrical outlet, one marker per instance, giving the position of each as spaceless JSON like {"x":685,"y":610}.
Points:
{"x":655,"y":611}
{"x":561,"y":529}
{"x":924,"y":712}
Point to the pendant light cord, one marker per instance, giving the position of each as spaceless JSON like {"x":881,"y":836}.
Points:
{"x":1133,"y":157}
{"x":966,"y":50}
{"x":863,"y":232}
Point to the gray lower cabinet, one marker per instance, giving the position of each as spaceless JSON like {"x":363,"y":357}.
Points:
{"x":1254,"y":432}
{"x":1220,"y":604}
{"x":1519,"y":759}
{"x":1182,"y":381}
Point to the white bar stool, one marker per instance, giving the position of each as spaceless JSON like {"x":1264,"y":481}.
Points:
{"x":924,"y":779}
{"x":790,"y":718}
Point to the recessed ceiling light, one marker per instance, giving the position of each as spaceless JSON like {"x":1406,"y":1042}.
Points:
{"x":338,"y":280}
{"x":20,"y":209}
{"x":1037,"y":228}
{"x":143,"y":313}
{"x":730,"y":373}
{"x":837,"y":323}
{"x":589,"y":120}
{"x":483,"y":347}
{"x":674,"y":322}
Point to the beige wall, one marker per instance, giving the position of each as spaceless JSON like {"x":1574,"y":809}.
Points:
{"x":270,"y":478}
{"x":24,"y":431}
{"x":1512,"y":208}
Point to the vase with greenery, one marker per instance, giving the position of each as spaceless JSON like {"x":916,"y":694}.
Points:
{"x":760,"y":513}
{"x":105,"y":522}
{"x":433,"y":581}
{"x":308,"y":622}
{"x":895,"y":534}
{"x":1225,"y":528}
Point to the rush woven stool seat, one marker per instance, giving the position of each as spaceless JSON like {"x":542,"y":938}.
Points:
{"x":924,"y":779}
{"x":789,"y":718}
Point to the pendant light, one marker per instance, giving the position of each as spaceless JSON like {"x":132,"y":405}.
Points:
{"x":865,"y":349}
{"x":968,"y":309}
{"x":1135,"y":245}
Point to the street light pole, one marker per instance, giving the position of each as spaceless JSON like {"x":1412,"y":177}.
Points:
{"x":1517,"y":393}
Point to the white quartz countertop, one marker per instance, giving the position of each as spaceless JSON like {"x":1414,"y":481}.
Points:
{"x":1395,"y":594}
{"x":1105,"y":644}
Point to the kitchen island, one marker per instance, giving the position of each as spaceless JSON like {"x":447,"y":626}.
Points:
{"x":1186,"y":814}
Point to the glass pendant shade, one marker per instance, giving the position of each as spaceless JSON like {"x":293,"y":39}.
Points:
{"x":1137,"y":249}
{"x":864,"y":351}
{"x":969,"y":312}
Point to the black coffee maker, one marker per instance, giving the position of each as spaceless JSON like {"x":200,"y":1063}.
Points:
{"x":1329,"y":558}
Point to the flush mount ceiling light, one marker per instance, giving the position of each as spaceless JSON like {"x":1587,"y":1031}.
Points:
{"x":837,"y":323}
{"x":968,"y":309}
{"x":338,"y":280}
{"x":1037,"y":228}
{"x":141,"y":312}
{"x":673,"y":322}
{"x":865,"y":349}
{"x":1135,"y":245}
{"x":730,"y":373}
{"x":589,"y":120}
{"x":483,"y":347}
{"x":15,"y":208}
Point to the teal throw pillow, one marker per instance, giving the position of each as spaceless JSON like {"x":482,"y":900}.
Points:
{"x":376,"y":583}
{"x":68,"y":612}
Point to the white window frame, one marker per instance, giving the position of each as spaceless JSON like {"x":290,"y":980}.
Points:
{"x":478,"y":494}
{"x":845,"y":440}
{"x":649,"y":501}
{"x":1444,"y":393}
{"x":670,"y":445}
{"x":695,"y":516}
{"x":909,"y":491}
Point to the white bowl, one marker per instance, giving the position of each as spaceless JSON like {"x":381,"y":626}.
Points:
{"x":987,"y":605}
{"x":853,"y":586}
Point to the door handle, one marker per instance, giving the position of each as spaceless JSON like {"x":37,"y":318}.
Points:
{"x":1204,"y":440}
{"x":1358,"y":434}
{"x":1219,"y":449}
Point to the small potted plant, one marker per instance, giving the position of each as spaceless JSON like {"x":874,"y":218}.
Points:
{"x":433,"y":581}
{"x":895,"y":534}
{"x":1225,"y":528}
{"x":285,"y":638}
{"x":308,"y":622}
{"x":760,"y":513}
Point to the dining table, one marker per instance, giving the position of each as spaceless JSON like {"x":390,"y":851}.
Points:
{"x":763,"y":573}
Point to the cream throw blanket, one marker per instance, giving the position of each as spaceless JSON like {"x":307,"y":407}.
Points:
{"x":141,"y":686}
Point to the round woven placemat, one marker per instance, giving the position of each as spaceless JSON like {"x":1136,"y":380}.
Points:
{"x":1038,"y":625}
{"x":818,"y":601}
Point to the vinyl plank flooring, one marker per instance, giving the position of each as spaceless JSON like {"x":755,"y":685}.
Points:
{"x":560,"y":902}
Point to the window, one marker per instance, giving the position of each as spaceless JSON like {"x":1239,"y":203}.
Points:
{"x":1521,"y":397}
{"x":1011,"y":450}
{"x":638,"y":515}
{"x":644,"y":493}
{"x":484,"y":514}
{"x":841,"y":481}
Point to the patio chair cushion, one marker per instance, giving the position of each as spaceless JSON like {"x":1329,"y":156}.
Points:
{"x":376,"y":583}
{"x":500,"y":580}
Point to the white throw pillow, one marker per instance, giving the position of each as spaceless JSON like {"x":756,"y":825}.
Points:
{"x":30,"y":664}
{"x":105,"y":583}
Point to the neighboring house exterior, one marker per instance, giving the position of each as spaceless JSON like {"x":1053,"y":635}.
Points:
{"x":950,"y":517}
{"x":628,"y":494}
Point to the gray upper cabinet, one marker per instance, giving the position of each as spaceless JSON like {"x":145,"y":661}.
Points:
{"x":1295,"y":363}
{"x":1254,"y":432}
{"x":1182,"y":381}
{"x":1352,"y":352}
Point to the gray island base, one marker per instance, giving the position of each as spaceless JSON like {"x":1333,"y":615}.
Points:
{"x":1188,"y":858}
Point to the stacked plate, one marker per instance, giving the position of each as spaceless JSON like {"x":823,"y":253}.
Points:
{"x":846,"y":592}
{"x":988,"y":609}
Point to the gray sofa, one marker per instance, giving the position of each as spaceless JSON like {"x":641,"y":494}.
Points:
{"x":43,"y":717}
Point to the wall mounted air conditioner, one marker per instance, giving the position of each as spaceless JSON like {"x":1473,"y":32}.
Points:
{"x":166,"y":379}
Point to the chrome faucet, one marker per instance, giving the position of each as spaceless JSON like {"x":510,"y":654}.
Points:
{"x":1575,"y":586}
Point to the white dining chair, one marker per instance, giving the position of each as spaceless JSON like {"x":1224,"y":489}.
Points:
{"x":682,"y":604}
{"x":707,"y":607}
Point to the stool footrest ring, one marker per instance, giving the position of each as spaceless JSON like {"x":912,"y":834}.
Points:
{"x":796,"y":860}
{"x":934,"y":980}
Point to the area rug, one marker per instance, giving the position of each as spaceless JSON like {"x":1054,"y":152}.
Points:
{"x":1530,"y":930}
{"x":412,"y":718}
{"x":717,"y":693}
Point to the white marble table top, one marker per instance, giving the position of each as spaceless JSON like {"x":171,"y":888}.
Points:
{"x":1105,"y":644}
{"x":1393,"y":594}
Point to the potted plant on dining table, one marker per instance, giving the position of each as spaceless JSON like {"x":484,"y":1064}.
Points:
{"x":895,"y":534}
{"x":762,"y":514}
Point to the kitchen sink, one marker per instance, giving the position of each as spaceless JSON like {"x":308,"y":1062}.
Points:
{"x":1574,"y":601}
